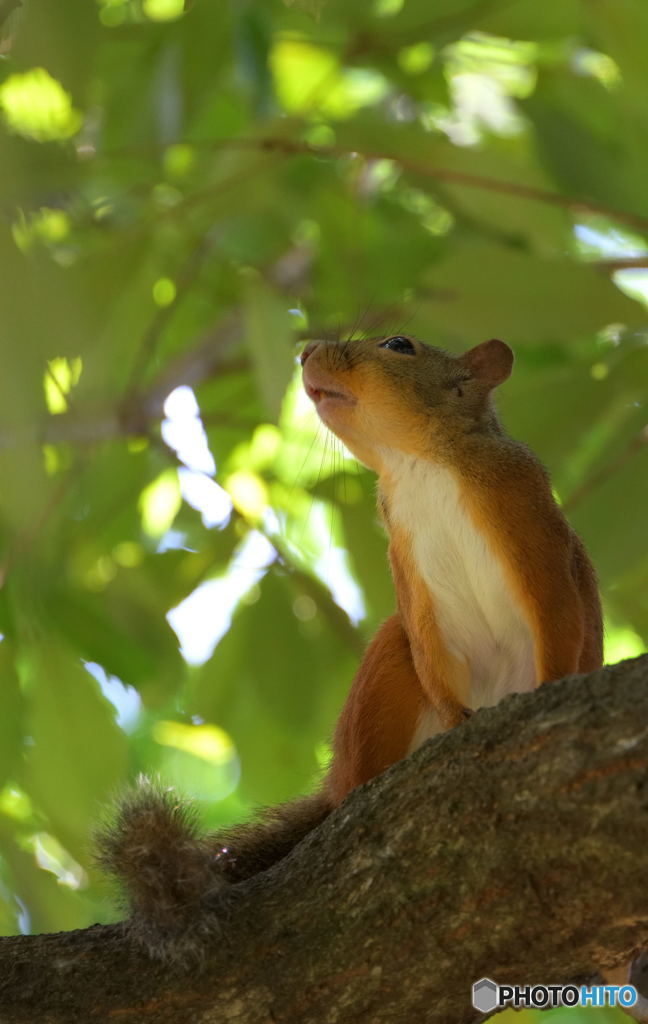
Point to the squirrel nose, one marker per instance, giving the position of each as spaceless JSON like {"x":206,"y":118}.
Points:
{"x":310,"y":348}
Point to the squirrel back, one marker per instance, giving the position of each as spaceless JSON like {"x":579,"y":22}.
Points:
{"x":495,"y":593}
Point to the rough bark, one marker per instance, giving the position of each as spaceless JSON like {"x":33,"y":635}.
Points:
{"x":515,"y":846}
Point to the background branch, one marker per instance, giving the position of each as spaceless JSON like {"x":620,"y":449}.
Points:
{"x":148,"y":346}
{"x":134,"y":413}
{"x":633,"y":447}
{"x":386,"y":913}
{"x":519,"y":190}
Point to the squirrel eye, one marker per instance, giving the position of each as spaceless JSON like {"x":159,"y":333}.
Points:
{"x":399,"y":344}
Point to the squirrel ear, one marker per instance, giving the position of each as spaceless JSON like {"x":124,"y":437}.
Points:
{"x":491,"y":362}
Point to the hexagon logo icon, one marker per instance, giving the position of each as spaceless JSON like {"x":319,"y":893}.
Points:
{"x":485,"y":995}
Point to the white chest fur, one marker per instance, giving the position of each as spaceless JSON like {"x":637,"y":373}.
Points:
{"x":477,"y":613}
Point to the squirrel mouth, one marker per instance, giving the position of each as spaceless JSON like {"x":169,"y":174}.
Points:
{"x":324,"y":389}
{"x":317,"y":395}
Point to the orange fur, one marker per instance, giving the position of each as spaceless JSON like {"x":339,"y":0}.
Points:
{"x":396,"y":411}
{"x":380,"y":714}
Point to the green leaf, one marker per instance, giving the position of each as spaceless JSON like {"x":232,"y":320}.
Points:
{"x":125,"y":631}
{"x":366,"y":541}
{"x":62,"y":38}
{"x":526,"y":19}
{"x":270,"y":342}
{"x":11,"y":711}
{"x":620,"y":29}
{"x":50,"y":906}
{"x":509,"y":208}
{"x":616,"y":536}
{"x":274,"y":683}
{"x":628,"y":599}
{"x":484,"y":290}
{"x":590,"y":419}
{"x":584,"y":143}
{"x":77,"y":755}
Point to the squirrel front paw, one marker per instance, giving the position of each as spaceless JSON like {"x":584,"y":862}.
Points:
{"x":453,"y":714}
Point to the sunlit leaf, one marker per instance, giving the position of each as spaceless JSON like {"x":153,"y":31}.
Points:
{"x":160,"y":502}
{"x":35,"y":105}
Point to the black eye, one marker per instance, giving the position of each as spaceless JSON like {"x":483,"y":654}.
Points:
{"x":399,"y":344}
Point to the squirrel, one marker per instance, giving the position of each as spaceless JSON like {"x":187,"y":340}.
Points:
{"x":495,"y":594}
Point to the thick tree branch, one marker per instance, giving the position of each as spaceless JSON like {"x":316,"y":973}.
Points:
{"x":515,"y":846}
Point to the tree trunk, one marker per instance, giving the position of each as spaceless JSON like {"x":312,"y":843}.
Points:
{"x":515,"y":846}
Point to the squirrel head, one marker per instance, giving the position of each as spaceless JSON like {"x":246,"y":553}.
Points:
{"x":397,"y":394}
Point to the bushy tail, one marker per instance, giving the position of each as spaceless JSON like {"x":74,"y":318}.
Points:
{"x":175,"y":879}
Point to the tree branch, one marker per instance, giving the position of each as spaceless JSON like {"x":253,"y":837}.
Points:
{"x":453,"y":176}
{"x":300,"y":147}
{"x":7,"y":7}
{"x":515,"y":846}
{"x":603,"y":473}
{"x":137,"y":411}
{"x":185,"y":279}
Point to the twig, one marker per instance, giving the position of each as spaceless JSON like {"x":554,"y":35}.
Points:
{"x":319,"y":593}
{"x":457,"y":22}
{"x":133,"y":415}
{"x":634,"y":446}
{"x":297,"y":147}
{"x":313,"y":587}
{"x":26,"y":537}
{"x":163,"y":315}
{"x":466,"y":178}
{"x":221,"y":188}
{"x":7,"y":7}
{"x":623,"y":263}
{"x":289,"y":273}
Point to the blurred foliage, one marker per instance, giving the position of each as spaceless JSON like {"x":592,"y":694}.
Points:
{"x":189,"y":190}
